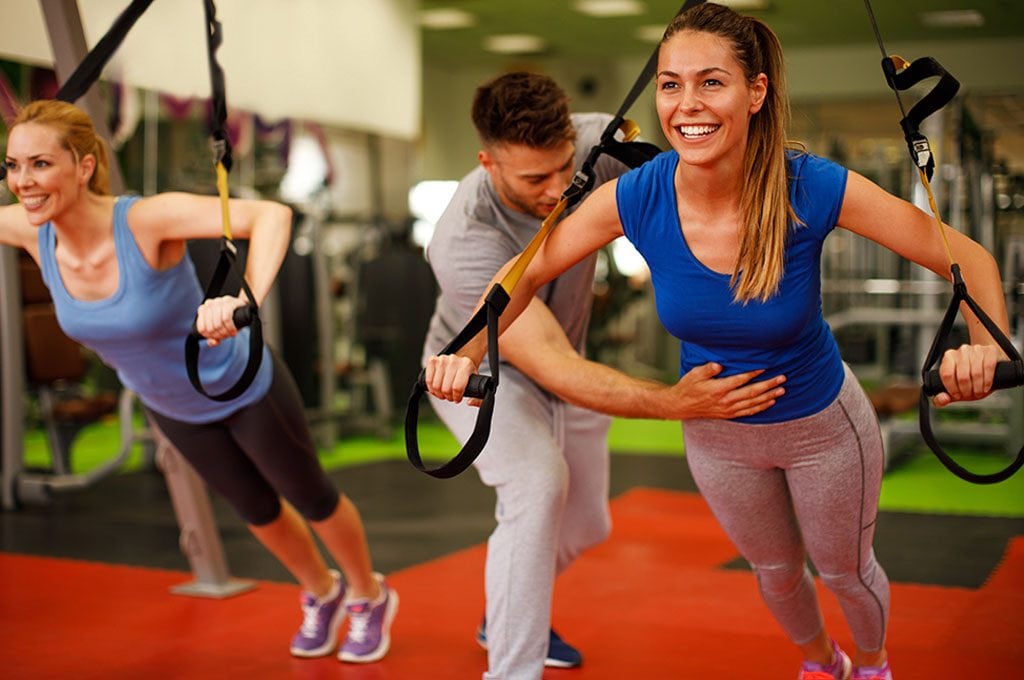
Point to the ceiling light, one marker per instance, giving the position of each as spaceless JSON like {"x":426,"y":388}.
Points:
{"x":443,"y":18}
{"x":514,"y":43}
{"x":652,"y":33}
{"x":609,"y":8}
{"x":957,"y":18}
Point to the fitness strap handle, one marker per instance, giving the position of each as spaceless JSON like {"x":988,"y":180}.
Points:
{"x":243,"y":316}
{"x":479,"y":387}
{"x":1008,"y":374}
{"x":900,"y":76}
{"x":228,"y":260}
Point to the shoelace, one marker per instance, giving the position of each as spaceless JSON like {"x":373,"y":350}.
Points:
{"x":359,"y":622}
{"x":310,"y":622}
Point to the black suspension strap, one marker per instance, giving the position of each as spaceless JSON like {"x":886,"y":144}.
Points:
{"x":901,"y":75}
{"x":228,"y":260}
{"x":88,"y":71}
{"x":629,"y":152}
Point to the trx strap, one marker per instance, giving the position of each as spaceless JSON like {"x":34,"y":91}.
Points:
{"x":483,"y":387}
{"x":900,"y":76}
{"x":228,"y":261}
{"x":88,"y":72}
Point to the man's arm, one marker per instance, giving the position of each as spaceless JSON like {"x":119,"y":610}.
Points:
{"x":537,"y":346}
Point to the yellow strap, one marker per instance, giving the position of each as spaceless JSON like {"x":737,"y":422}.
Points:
{"x":898,"y":62}
{"x":629,"y":129}
{"x":523,"y":261}
{"x":935,"y":213}
{"x":222,"y":189}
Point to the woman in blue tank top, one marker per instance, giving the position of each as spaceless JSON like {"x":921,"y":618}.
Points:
{"x":122,"y":284}
{"x":780,"y":438}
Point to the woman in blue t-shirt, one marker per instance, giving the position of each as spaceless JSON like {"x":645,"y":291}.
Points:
{"x":123,"y":285}
{"x":780,"y":438}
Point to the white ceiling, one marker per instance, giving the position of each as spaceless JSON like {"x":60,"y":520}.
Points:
{"x":350,"y":63}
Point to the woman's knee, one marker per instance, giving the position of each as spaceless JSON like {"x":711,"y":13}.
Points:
{"x":780,"y":581}
{"x":318,"y":507}
{"x":258,"y":510}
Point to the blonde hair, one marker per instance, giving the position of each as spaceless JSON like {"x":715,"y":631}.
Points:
{"x":77,"y":135}
{"x":764,"y":204}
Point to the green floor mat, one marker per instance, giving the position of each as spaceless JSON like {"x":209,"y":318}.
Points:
{"x":918,"y":482}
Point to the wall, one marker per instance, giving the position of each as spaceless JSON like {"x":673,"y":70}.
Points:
{"x":834,"y":76}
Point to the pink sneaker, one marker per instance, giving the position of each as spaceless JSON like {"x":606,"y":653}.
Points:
{"x":839,"y":669}
{"x":872,"y":672}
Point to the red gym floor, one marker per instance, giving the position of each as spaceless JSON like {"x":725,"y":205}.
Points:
{"x":652,"y":602}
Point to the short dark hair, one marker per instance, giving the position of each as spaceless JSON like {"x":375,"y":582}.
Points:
{"x":522,"y":108}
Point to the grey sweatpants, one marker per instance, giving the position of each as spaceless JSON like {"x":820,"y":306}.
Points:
{"x":548,"y":463}
{"x":809,"y":486}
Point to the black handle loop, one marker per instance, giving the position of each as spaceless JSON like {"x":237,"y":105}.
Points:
{"x":481,"y":387}
{"x":902,"y":76}
{"x":248,"y":315}
{"x":1008,"y":374}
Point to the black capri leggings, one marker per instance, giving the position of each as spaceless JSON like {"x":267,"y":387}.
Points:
{"x":258,"y":454}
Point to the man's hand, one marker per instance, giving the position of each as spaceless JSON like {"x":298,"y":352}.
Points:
{"x":699,"y":394}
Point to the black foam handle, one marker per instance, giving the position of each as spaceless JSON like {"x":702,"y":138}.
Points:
{"x":477,"y":387}
{"x":242,"y":317}
{"x":1008,"y":374}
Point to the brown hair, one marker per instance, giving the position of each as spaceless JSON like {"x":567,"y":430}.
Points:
{"x":765,"y":201}
{"x":77,"y":135}
{"x":522,"y":108}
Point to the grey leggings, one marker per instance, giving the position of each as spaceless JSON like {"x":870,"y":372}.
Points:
{"x":809,"y":486}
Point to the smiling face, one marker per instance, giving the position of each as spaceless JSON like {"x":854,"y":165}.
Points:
{"x":528,"y":179}
{"x":704,"y":99}
{"x":42,"y":173}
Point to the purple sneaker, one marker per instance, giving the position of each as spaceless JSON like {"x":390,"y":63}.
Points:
{"x":369,"y":627}
{"x":839,"y":669}
{"x":321,"y":619}
{"x":872,"y":672}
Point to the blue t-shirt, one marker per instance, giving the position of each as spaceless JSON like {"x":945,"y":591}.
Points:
{"x":785,"y":335}
{"x":140,"y":330}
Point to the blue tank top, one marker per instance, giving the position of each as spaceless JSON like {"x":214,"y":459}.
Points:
{"x":140,"y":330}
{"x":785,"y":335}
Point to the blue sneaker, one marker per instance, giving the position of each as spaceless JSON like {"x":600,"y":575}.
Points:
{"x":321,"y":619}
{"x":560,"y":653}
{"x":369,"y":627}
